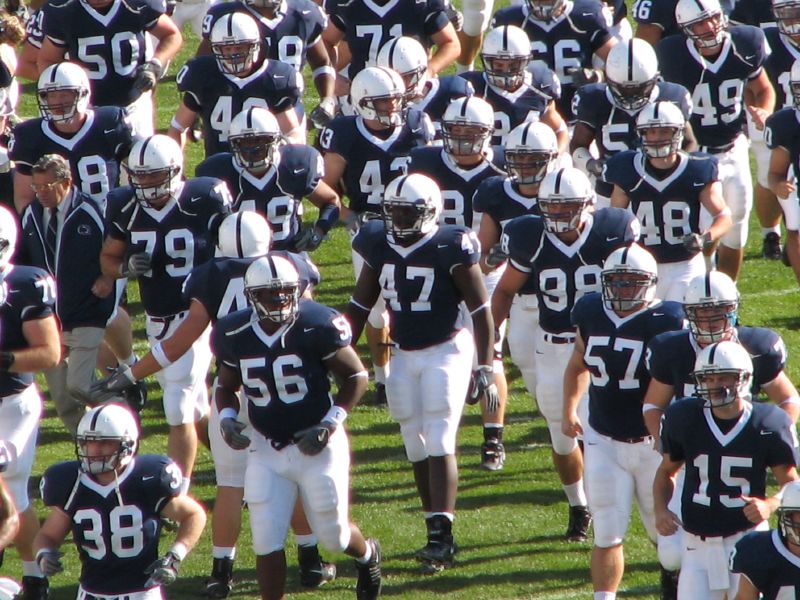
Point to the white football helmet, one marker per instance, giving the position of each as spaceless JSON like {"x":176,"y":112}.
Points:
{"x":272,"y":286}
{"x":790,"y":505}
{"x":632,"y":73}
{"x":235,"y":41}
{"x":629,"y":278}
{"x":63,"y":77}
{"x":411,"y":207}
{"x":689,"y":13}
{"x":794,"y":83}
{"x":565,"y":196}
{"x":244,"y":234}
{"x":254,"y":137}
{"x":661,"y":115}
{"x":530,"y":150}
{"x":544,"y":10}
{"x":723,"y":358}
{"x":407,"y":57}
{"x":269,"y":4}
{"x":505,"y":54}
{"x":107,"y":422}
{"x":467,"y":126}
{"x":711,"y":304}
{"x":154,"y":169}
{"x":375,"y":85}
{"x":787,"y":15}
{"x":9,"y":231}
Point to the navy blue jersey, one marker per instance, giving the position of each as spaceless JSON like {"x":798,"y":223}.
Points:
{"x":178,"y":237}
{"x":717,"y":87}
{"x":779,"y":64}
{"x":439,"y":92}
{"x":668,"y":208}
{"x":373,"y":161}
{"x":614,"y":127}
{"x":283,"y":375}
{"x":94,"y":151}
{"x":218,"y":97}
{"x":34,"y":34}
{"x":563,"y":273}
{"x":417,"y":282}
{"x":528,"y":103}
{"x":616,"y":359}
{"x":204,"y":283}
{"x":287,"y":37}
{"x":762,"y":557}
{"x":458,"y":185}
{"x":671,"y":357}
{"x":110,"y":45}
{"x":782,"y":130}
{"x":277,"y":194}
{"x":115,"y":526}
{"x":724,"y":463}
{"x":367,"y":25}
{"x":753,"y":12}
{"x":567,"y":42}
{"x":28,"y":294}
{"x":660,"y":13}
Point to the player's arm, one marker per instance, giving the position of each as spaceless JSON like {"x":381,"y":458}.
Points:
{"x":229,"y":382}
{"x":325,"y":198}
{"x":649,"y":32}
{"x":656,"y":400}
{"x":27,"y":66}
{"x":9,"y":518}
{"x":712,"y":200}
{"x":778,"y":177}
{"x":781,"y":391}
{"x":335,"y":164}
{"x":368,"y":288}
{"x":44,"y":347}
{"x":488,"y":235}
{"x":582,"y":138}
{"x":667,"y":522}
{"x":759,"y":98}
{"x":290,"y":126}
{"x":469,"y":281}
{"x":760,"y":509}
{"x":511,"y":282}
{"x":349,"y":371}
{"x":689,"y":139}
{"x":23,"y":194}
{"x":619,"y":199}
{"x":322,"y":69}
{"x":447,"y":49}
{"x":553,"y":118}
{"x":332,"y":35}
{"x":746,"y":589}
{"x":53,"y":531}
{"x":183,"y":119}
{"x":191,"y":519}
{"x":169,"y":39}
{"x":49,"y":54}
{"x":576,"y":382}
{"x":602,"y":51}
{"x":112,"y":257}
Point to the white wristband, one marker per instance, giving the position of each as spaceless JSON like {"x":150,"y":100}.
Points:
{"x":161,"y":357}
{"x":228,"y":413}
{"x":175,"y":124}
{"x":179,"y":550}
{"x":324,"y":70}
{"x":648,"y":406}
{"x":790,"y":400}
{"x":580,"y":157}
{"x":336,"y":414}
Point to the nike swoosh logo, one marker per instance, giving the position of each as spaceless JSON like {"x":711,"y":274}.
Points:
{"x":586,"y":14}
{"x":195,"y":198}
{"x":112,"y":130}
{"x":305,"y":12}
{"x":658,"y":314}
{"x":751,"y":57}
{"x":612,"y":238}
{"x":307,"y":330}
{"x":148,"y":478}
{"x":296,"y":171}
{"x":279,"y":76}
{"x":762,"y":432}
{"x":689,"y":549}
{"x":701,"y":184}
{"x":441,"y":245}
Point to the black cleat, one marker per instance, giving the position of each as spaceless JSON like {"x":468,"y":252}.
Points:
{"x":579,"y":520}
{"x":493,"y":455}
{"x":771,"y":246}
{"x":136,"y":396}
{"x":34,"y":588}
{"x":380,"y":395}
{"x":314,"y":571}
{"x":669,"y":584}
{"x":368,"y":586}
{"x":220,"y":584}
{"x":436,"y":557}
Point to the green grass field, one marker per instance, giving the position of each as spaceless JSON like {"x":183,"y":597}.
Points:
{"x":509,"y":524}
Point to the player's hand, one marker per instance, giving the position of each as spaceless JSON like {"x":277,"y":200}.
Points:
{"x":137,"y":264}
{"x":582,"y":76}
{"x":49,"y":561}
{"x":756,"y":510}
{"x":758,"y":115}
{"x":571,"y":425}
{"x":497,"y":256}
{"x":231,"y":430}
{"x":102,"y":286}
{"x":455,"y":16}
{"x":163,"y":571}
{"x":323,"y":112}
{"x":784,"y":189}
{"x":667,"y":522}
{"x":308,"y":239}
{"x":147,"y":75}
{"x":595,"y":166}
{"x":696,"y":242}
{"x":312,"y":440}
{"x":483,"y":386}
{"x":113,"y":385}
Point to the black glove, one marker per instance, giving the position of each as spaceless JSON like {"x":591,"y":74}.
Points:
{"x":595,"y":166}
{"x":581,"y":76}
{"x":483,"y":384}
{"x":496,"y":256}
{"x":147,"y":75}
{"x":163,"y":571}
{"x":455,"y":16}
{"x":312,"y":440}
{"x":231,"y":430}
{"x":696,"y":242}
{"x":308,"y":240}
{"x":112,"y":386}
{"x":49,"y":561}
{"x":137,"y":264}
{"x":323,"y":112}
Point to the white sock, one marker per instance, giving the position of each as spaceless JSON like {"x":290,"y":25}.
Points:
{"x":576,"y":495}
{"x":605,"y":595}
{"x":450,"y":516}
{"x":30,"y":568}
{"x":365,"y":559}
{"x":464,"y":68}
{"x":380,"y":373}
{"x":306,"y":540}
{"x":223,"y":552}
{"x":130,"y":361}
{"x":766,"y":230}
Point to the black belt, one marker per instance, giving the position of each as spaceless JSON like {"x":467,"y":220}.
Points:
{"x":279,"y":445}
{"x":88,"y":596}
{"x":717,"y":149}
{"x":552,"y":338}
{"x":166,"y":322}
{"x":633,"y":440}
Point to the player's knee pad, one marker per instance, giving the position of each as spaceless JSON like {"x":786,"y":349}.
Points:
{"x":762,"y":155}
{"x":608,"y":530}
{"x":400,"y":395}
{"x":791,"y":212}
{"x":411,"y":432}
{"x":333,"y":534}
{"x":562,"y":444}
{"x":476,"y":16}
{"x":440,"y":436}
{"x":670,"y":550}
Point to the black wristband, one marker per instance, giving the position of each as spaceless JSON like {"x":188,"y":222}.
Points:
{"x":6,"y":360}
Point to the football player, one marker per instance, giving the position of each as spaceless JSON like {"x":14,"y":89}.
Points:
{"x":112,"y":501}
{"x":666,"y":188}
{"x":108,"y":39}
{"x":606,"y":112}
{"x":160,"y":227}
{"x":219,"y":87}
{"x":619,"y":456}
{"x":299,"y":447}
{"x":362,"y":154}
{"x":530,"y":152}
{"x":779,"y":135}
{"x":563,"y":251}
{"x":271,"y":178}
{"x":723,"y":69}
{"x":655,"y":20}
{"x":291,"y":33}
{"x":564,"y":36}
{"x":728,"y":444}
{"x":515,"y":93}
{"x":424,"y":271}
{"x":769,"y":561}
{"x":30,"y":343}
